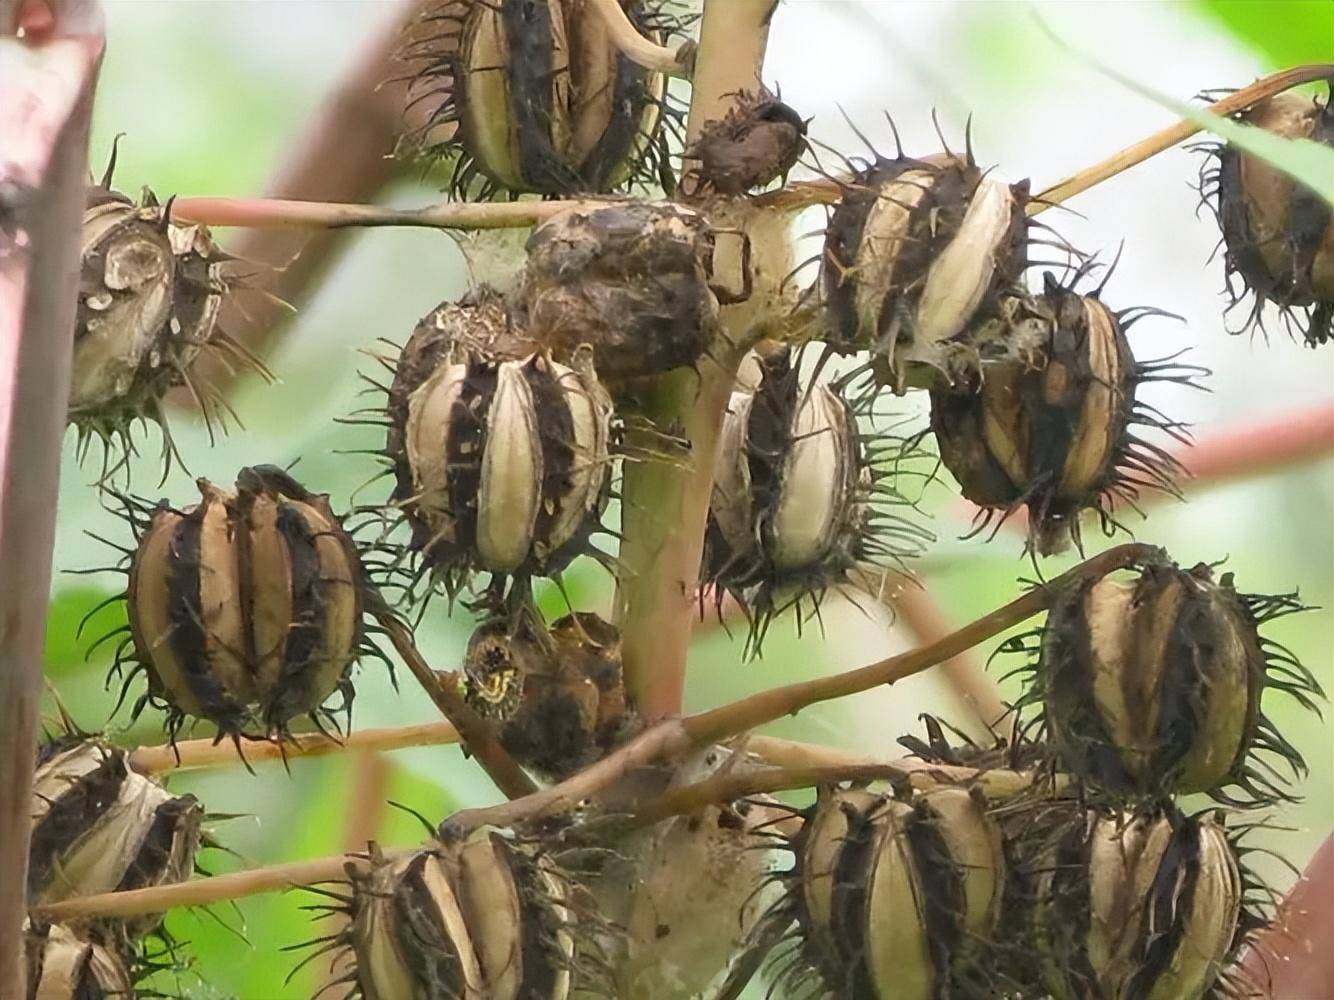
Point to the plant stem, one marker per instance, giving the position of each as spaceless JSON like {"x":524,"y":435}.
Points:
{"x":194,"y":755}
{"x":277,"y":212}
{"x":472,"y":729}
{"x":47,"y":80}
{"x":640,"y":50}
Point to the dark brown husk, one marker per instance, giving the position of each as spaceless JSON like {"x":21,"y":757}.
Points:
{"x":758,"y":141}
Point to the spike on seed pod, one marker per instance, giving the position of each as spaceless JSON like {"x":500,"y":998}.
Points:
{"x":149,"y":295}
{"x":630,"y":280}
{"x":502,"y":463}
{"x":1278,"y":235}
{"x":62,"y":964}
{"x":246,"y":609}
{"x":558,"y":696}
{"x":802,"y":498}
{"x":914,"y":250}
{"x":1055,"y":432}
{"x":533,"y":96}
{"x":1153,"y":685}
{"x":759,"y":140}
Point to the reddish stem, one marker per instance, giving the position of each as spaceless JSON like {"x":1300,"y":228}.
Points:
{"x":1294,"y":957}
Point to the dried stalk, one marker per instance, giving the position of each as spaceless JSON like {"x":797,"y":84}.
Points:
{"x":280,"y":213}
{"x":640,"y":50}
{"x":47,"y":79}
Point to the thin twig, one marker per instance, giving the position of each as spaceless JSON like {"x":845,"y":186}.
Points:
{"x":640,"y":50}
{"x":281,"y":213}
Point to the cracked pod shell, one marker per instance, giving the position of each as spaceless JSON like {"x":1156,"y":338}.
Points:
{"x":61,"y":963}
{"x":98,"y":826}
{"x":246,"y":609}
{"x":533,"y":96}
{"x":759,"y":140}
{"x":629,"y":280}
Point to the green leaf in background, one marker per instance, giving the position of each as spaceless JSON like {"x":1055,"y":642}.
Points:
{"x":1286,"y":33}
{"x":66,"y":649}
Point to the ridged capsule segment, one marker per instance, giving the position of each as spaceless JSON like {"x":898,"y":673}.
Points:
{"x":533,"y":96}
{"x":62,"y":963}
{"x":1278,"y":234}
{"x":98,"y":826}
{"x":246,"y":609}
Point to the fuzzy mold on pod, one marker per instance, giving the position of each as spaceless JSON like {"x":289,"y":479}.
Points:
{"x":533,"y":96}
{"x":245,"y":609}
{"x":1278,"y":235}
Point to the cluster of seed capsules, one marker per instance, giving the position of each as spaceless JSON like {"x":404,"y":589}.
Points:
{"x":507,"y":414}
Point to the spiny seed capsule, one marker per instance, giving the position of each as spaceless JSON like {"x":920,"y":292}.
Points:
{"x":1153,"y":685}
{"x":98,"y":826}
{"x":1136,"y":906}
{"x":1278,"y":234}
{"x":801,"y":500}
{"x":558,"y":696}
{"x":896,"y":898}
{"x":149,"y":295}
{"x":914,"y":250}
{"x":630,"y":280}
{"x":62,"y":965}
{"x":1054,"y":433}
{"x":757,"y":141}
{"x":486,"y":920}
{"x":501,"y":465}
{"x":533,"y":96}
{"x":246,"y":610}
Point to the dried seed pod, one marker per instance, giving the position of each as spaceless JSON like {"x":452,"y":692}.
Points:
{"x":98,"y":826}
{"x":1278,"y":234}
{"x":486,"y":919}
{"x":630,"y":280}
{"x":533,"y":96}
{"x":62,"y":965}
{"x":246,"y":609}
{"x":1136,"y":906}
{"x":915,"y":249}
{"x":1054,"y":433}
{"x":149,"y":295}
{"x":801,"y":499}
{"x":757,"y":141}
{"x":1153,"y":685}
{"x":502,"y":465}
{"x":559,"y":696}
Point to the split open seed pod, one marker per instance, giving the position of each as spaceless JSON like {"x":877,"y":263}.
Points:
{"x":803,"y":497}
{"x":914,"y":251}
{"x":1278,"y":235}
{"x":502,"y":464}
{"x":245,"y":609}
{"x":1056,"y":433}
{"x":62,"y":964}
{"x":98,"y":826}
{"x":759,"y":140}
{"x":149,"y":295}
{"x":535,"y":97}
{"x":558,"y":697}
{"x":484,"y":920}
{"x":1145,"y":906}
{"x":1152,"y":685}
{"x":630,"y":280}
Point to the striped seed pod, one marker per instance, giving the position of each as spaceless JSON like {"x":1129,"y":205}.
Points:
{"x":1145,"y":906}
{"x":558,"y":696}
{"x":62,"y":965}
{"x":1153,"y":685}
{"x":486,"y":920}
{"x":533,"y":96}
{"x":630,"y":280}
{"x":801,"y":498}
{"x":1278,"y":234}
{"x":1054,"y":433}
{"x":246,"y":609}
{"x":914,"y":250}
{"x":759,"y":140}
{"x":98,"y":826}
{"x":895,"y":897}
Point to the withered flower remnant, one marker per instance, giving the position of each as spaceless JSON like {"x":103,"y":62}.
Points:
{"x":534,"y":96}
{"x":1053,"y":432}
{"x":246,"y":609}
{"x":629,"y":280}
{"x":1153,"y":686}
{"x":61,"y":963}
{"x":1278,"y":235}
{"x":759,"y":140}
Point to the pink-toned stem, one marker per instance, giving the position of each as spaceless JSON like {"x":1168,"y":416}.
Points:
{"x":46,"y":86}
{"x":1294,"y":958}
